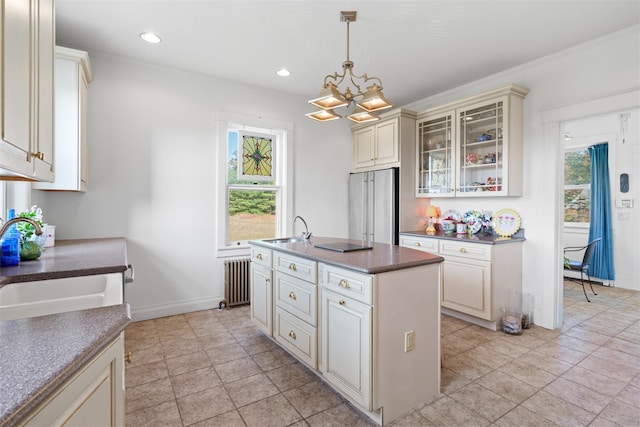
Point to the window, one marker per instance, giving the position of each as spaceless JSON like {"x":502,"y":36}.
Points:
{"x":577,"y":185}
{"x":255,"y":183}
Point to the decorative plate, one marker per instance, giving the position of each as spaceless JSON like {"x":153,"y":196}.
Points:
{"x":473,"y":220}
{"x":452,"y":214}
{"x":506,"y":222}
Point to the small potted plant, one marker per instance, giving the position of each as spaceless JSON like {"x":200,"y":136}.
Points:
{"x":30,"y":243}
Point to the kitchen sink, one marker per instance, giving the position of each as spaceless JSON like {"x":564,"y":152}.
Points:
{"x":286,"y":240}
{"x":42,"y":297}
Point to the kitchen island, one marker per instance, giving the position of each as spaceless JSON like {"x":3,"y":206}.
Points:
{"x":367,"y":322}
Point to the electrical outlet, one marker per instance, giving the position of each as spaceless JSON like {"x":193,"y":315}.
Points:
{"x":409,"y":341}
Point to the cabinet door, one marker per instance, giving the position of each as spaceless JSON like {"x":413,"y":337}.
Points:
{"x":363,"y":148}
{"x":386,"y":143}
{"x":480,"y":158}
{"x":43,"y":139}
{"x":261,"y":298}
{"x":466,"y":286}
{"x":346,"y":346}
{"x":17,"y":23}
{"x":435,"y":156}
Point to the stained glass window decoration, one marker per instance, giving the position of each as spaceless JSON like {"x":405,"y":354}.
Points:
{"x":256,"y":160}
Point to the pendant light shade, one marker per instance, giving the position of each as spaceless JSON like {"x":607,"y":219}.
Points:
{"x":374,"y":100}
{"x":329,"y":97}
{"x":322,"y":115}
{"x":361,"y":115}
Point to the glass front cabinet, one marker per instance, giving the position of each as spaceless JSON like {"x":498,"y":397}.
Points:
{"x":472,"y":148}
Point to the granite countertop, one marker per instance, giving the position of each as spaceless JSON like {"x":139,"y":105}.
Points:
{"x":38,"y":354}
{"x":71,"y":258}
{"x":491,"y":239}
{"x":380,"y":259}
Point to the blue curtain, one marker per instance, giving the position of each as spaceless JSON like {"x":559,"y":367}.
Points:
{"x":600,"y":217}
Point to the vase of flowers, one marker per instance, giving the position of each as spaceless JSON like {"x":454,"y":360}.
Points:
{"x":485,"y":220}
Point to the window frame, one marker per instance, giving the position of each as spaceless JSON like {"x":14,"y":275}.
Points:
{"x":283,"y":165}
{"x":568,"y":149}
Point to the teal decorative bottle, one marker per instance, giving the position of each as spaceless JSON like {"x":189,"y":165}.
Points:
{"x":10,"y":244}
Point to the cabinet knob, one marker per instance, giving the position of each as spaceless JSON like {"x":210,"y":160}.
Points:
{"x":341,"y":302}
{"x":292,"y":335}
{"x":417,"y":244}
{"x":127,"y":357}
{"x":344,"y":284}
{"x":293,"y":296}
{"x":38,"y":155}
{"x":463,"y":250}
{"x":292,"y":267}
{"x":259,"y":256}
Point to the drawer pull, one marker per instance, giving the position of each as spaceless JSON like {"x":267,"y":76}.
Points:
{"x":341,"y":302}
{"x":292,"y":335}
{"x":292,"y":267}
{"x":463,"y":250}
{"x":127,"y":357}
{"x":293,"y":296}
{"x":259,"y":256}
{"x":344,"y":283}
{"x":417,"y":244}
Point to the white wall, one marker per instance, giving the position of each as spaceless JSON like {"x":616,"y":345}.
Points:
{"x":594,"y":70}
{"x":152,"y":134}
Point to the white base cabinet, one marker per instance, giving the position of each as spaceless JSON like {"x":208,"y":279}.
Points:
{"x":477,"y":279}
{"x":350,"y":327}
{"x":93,"y":397}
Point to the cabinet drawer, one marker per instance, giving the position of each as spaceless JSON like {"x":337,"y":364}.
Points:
{"x":348,"y":283}
{"x":297,"y":336}
{"x":297,"y":297}
{"x":420,"y":243}
{"x":299,"y":267}
{"x":465,"y":250}
{"x":261,"y":256}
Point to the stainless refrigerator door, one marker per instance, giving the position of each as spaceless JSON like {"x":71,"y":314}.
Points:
{"x":358,"y":209}
{"x":382,"y":202}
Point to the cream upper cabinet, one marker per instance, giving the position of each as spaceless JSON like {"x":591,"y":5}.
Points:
{"x":26,"y":93}
{"x":473,"y":147}
{"x":385,"y":143}
{"x":376,"y":145}
{"x":72,"y":78}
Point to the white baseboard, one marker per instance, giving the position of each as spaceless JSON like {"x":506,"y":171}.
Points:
{"x":171,"y":309}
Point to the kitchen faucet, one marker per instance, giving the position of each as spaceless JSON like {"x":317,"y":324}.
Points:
{"x":306,"y":234}
{"x":8,"y":224}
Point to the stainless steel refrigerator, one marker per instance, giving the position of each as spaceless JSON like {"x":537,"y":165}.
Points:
{"x":373,"y":206}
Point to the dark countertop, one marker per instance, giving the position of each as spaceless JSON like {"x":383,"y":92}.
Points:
{"x":491,"y":239}
{"x":38,"y":354}
{"x":71,"y":258}
{"x":380,"y":259}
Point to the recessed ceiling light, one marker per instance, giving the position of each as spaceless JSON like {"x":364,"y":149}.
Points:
{"x":150,"y":37}
{"x":283,"y":72}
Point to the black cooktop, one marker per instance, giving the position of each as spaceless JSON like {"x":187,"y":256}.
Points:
{"x":343,"y":246}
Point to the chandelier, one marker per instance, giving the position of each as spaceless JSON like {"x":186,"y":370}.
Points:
{"x":331,"y":96}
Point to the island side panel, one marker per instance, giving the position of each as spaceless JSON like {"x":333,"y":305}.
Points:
{"x":406,"y":300}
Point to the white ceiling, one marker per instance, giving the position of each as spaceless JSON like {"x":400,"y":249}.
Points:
{"x":418,"y":48}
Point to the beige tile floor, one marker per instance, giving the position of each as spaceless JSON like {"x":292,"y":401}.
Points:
{"x":212,"y":368}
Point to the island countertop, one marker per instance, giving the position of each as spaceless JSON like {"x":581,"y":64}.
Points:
{"x":39,"y":354}
{"x":381,"y":258}
{"x":71,"y":258}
